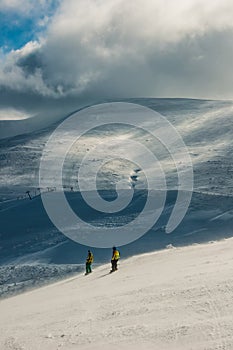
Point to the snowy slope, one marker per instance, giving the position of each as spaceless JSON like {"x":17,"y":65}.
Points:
{"x":177,"y":299}
{"x":206,"y":127}
{"x":28,"y":237}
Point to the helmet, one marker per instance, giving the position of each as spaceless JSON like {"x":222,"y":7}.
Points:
{"x":114,"y":248}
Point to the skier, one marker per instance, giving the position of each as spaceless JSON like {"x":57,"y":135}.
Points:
{"x":115,"y":258}
{"x":89,"y":261}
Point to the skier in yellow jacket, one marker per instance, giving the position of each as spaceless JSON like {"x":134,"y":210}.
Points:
{"x":115,"y":258}
{"x":89,"y":261}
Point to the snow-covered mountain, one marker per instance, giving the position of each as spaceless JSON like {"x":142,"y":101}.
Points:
{"x":205,"y":126}
{"x":27,"y":236}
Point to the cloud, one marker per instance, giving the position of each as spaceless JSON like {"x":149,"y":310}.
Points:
{"x":16,"y":5}
{"x":23,"y":21}
{"x":26,"y":7}
{"x":108,"y":49}
{"x":12,"y":114}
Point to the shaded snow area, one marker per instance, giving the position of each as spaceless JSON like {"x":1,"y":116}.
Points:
{"x":175,"y":299}
{"x":32,"y":249}
{"x":18,"y":278}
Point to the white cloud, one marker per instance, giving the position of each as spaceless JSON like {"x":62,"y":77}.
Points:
{"x":15,"y":5}
{"x":25,"y":7}
{"x":13,"y":114}
{"x":109,"y":48}
{"x":22,"y":7}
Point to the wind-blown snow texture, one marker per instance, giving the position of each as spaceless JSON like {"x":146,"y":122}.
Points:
{"x":28,"y":237}
{"x":177,"y":299}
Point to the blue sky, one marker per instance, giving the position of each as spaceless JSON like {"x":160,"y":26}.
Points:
{"x":16,"y":31}
{"x":18,"y":27}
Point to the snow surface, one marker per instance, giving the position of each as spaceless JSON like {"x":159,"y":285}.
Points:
{"x":176,"y":299}
{"x":19,"y":277}
{"x":205,"y":126}
{"x":27,"y":237}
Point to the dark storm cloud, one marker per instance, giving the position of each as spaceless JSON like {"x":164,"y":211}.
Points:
{"x":30,"y":63}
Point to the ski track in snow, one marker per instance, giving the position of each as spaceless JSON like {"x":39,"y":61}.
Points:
{"x":177,"y":299}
